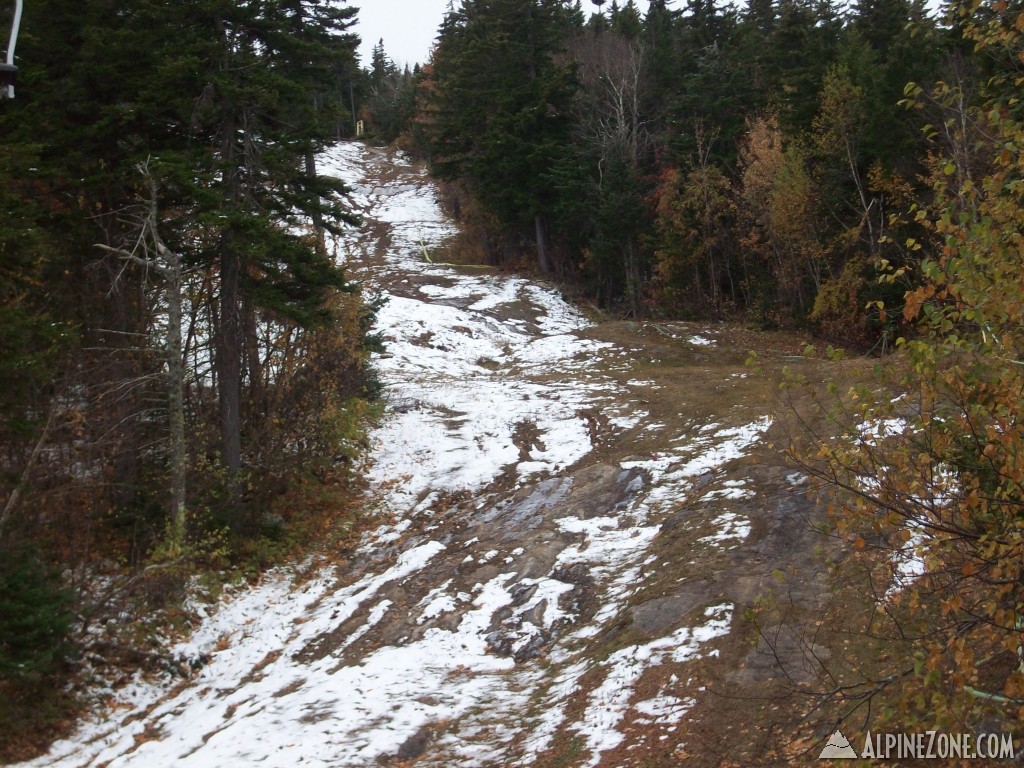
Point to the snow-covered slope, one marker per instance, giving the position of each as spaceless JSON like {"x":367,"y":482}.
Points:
{"x":465,"y":630}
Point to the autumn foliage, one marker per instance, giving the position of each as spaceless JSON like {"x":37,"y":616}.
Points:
{"x":937,"y":474}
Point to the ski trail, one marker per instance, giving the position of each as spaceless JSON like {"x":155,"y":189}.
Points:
{"x":465,"y":632}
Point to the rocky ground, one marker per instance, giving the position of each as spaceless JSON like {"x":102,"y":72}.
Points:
{"x":591,"y":550}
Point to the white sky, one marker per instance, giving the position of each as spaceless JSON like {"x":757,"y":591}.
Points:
{"x":408,"y":27}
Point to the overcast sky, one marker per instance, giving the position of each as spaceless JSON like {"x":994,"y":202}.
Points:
{"x":408,"y":27}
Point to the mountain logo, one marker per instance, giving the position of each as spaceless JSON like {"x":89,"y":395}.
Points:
{"x":838,"y":748}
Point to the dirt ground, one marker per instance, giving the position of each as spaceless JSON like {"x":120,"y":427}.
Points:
{"x":758,"y":694}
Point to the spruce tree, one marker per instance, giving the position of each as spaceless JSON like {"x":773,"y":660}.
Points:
{"x":227,"y":104}
{"x":502,"y":107}
{"x":798,"y":53}
{"x":242,"y":167}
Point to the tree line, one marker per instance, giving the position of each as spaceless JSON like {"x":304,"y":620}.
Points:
{"x":184,"y":364}
{"x":699,"y":159}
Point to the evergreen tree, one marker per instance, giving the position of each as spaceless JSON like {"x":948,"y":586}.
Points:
{"x":661,"y":50}
{"x":391,"y":103}
{"x":502,"y":107}
{"x":799,"y":51}
{"x":35,"y":617}
{"x":881,"y":23}
{"x":600,"y":190}
{"x":260,"y":124}
{"x":626,"y":20}
{"x":714,"y":85}
{"x":381,"y":65}
{"x":888,"y":44}
{"x":226,"y":103}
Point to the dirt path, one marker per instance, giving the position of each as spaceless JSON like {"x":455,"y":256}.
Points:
{"x":576,"y":519}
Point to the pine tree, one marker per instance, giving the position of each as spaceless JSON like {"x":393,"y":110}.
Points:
{"x":34,"y":617}
{"x":391,"y":103}
{"x":260,"y":121}
{"x":381,"y":65}
{"x":598,"y":179}
{"x":800,"y":49}
{"x":888,"y":44}
{"x":626,"y":20}
{"x":227,"y":104}
{"x":502,"y":107}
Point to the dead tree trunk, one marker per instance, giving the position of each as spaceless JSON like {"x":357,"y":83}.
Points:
{"x":153,"y":254}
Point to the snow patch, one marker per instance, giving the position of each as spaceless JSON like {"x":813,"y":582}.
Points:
{"x":608,"y":704}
